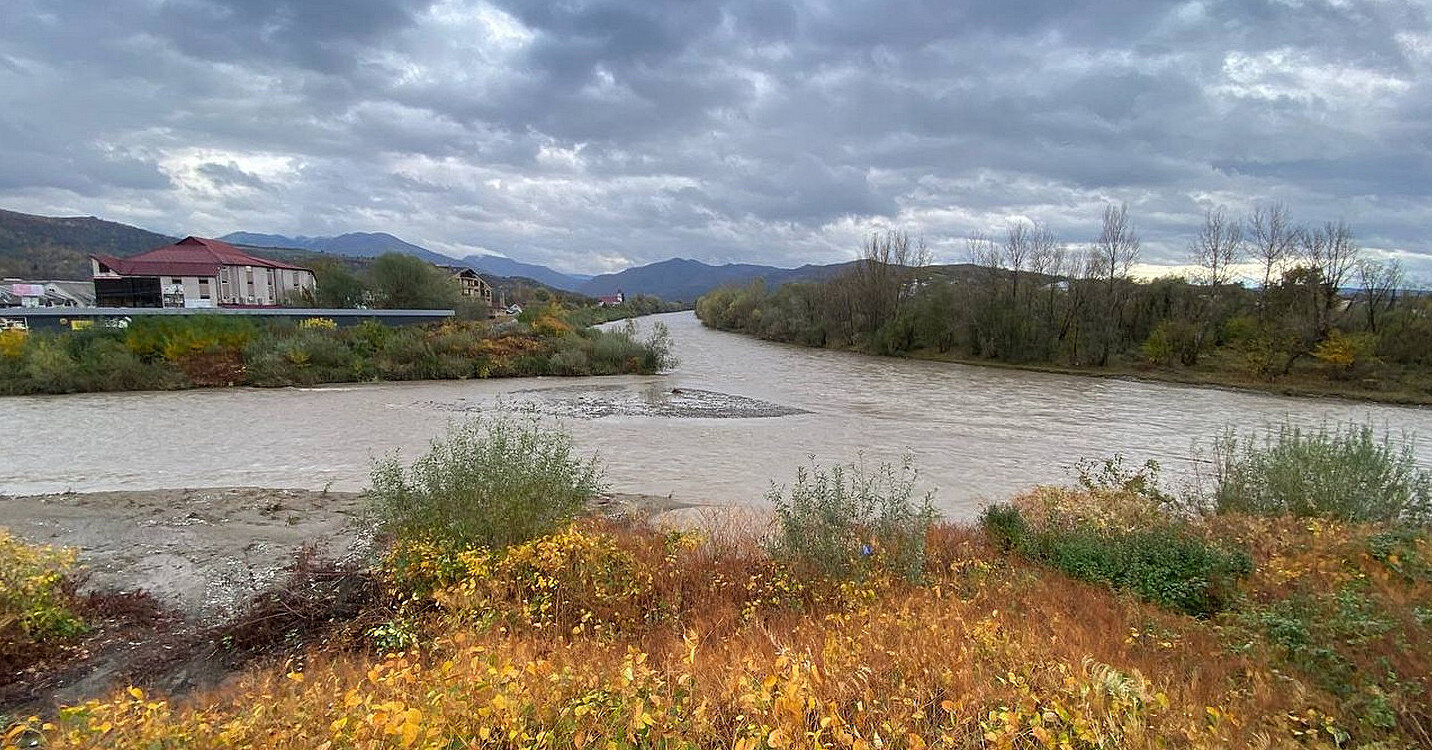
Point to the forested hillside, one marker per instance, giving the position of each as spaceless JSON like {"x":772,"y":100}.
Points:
{"x":44,"y":247}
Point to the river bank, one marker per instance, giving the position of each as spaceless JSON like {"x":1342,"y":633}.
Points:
{"x":1413,"y":389}
{"x":207,"y":351}
{"x":1293,"y":385}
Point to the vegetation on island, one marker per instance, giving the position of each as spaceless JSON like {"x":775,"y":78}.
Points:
{"x":635,"y":307}
{"x":1113,"y":613}
{"x":1324,"y":316}
{"x":159,"y":353}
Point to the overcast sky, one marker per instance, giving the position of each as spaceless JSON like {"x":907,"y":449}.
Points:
{"x":590,"y":136}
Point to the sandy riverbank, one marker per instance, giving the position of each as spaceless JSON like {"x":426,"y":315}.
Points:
{"x":204,"y":552}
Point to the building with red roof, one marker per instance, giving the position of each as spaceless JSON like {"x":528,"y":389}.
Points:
{"x":197,"y":272}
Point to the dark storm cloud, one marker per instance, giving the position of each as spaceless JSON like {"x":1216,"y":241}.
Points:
{"x":599,"y":133}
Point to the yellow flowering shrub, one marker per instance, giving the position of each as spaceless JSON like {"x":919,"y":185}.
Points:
{"x":318,"y":324}
{"x":34,"y":604}
{"x":576,"y":576}
{"x":12,"y":342}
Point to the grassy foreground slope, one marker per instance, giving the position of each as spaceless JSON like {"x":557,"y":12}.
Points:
{"x":631,"y":639}
{"x":1025,"y":632}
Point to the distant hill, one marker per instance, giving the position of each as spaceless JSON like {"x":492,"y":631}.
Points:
{"x":683,"y":280}
{"x":45,"y":247}
{"x":500,"y":266}
{"x":354,"y":244}
{"x":373,"y":244}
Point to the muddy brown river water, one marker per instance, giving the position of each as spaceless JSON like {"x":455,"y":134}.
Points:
{"x":734,"y":415}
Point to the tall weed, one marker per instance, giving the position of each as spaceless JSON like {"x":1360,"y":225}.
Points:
{"x":1345,"y":472}
{"x":845,"y":521}
{"x":492,"y":482}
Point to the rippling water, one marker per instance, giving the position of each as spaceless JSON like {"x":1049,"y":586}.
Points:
{"x":743,"y":412}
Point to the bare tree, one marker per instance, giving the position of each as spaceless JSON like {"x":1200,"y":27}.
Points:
{"x":1379,"y":282}
{"x":1046,"y":260}
{"x":1332,"y":255}
{"x":1218,"y":248}
{"x":1273,"y":239}
{"x":982,"y":251}
{"x":1117,"y":248}
{"x":1017,"y":240}
{"x":883,"y":275}
{"x":1111,"y":260}
{"x":985,"y":255}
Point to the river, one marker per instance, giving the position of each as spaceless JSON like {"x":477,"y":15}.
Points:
{"x":735,"y":414}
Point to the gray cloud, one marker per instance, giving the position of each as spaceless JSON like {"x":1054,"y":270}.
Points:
{"x":599,"y":133}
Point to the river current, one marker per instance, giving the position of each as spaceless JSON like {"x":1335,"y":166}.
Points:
{"x":733,"y":416}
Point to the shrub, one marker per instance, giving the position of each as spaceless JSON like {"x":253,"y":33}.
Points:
{"x":173,"y":337}
{"x":1005,"y":525}
{"x":1172,"y":342}
{"x":492,"y":482}
{"x":12,"y":342}
{"x":572,"y":577}
{"x":1164,"y":564}
{"x":34,"y":596}
{"x":1343,"y":352}
{"x":1115,"y":476}
{"x":845,"y":522}
{"x":570,"y":362}
{"x":1345,"y":472}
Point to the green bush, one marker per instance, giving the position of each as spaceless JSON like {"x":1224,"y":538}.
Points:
{"x":1346,"y":472}
{"x":1166,"y":565}
{"x":492,"y":482}
{"x":845,"y":522}
{"x":1005,"y":525}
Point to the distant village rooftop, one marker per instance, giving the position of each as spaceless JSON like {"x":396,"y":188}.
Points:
{"x":191,"y":256}
{"x":197,"y":272}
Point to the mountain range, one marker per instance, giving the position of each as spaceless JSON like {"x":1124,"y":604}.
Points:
{"x":373,"y":244}
{"x":681,"y":279}
{"x":36,"y":247}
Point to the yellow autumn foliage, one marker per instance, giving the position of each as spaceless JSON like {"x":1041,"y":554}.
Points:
{"x":34,"y":606}
{"x":705,"y":644}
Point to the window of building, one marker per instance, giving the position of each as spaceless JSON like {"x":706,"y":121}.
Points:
{"x":176,"y":281}
{"x":204,"y":289}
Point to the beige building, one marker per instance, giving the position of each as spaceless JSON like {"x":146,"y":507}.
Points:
{"x":197,"y":272}
{"x":471,"y":282}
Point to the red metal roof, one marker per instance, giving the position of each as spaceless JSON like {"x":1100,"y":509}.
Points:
{"x":191,"y":256}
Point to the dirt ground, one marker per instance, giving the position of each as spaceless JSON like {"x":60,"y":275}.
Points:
{"x":197,"y":558}
{"x":202,"y":552}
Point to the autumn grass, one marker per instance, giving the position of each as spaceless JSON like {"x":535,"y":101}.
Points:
{"x":615,"y":636}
